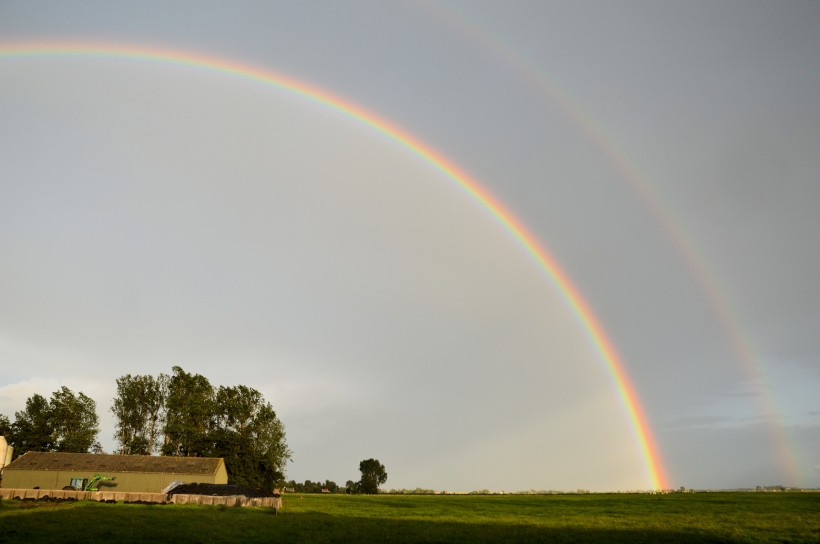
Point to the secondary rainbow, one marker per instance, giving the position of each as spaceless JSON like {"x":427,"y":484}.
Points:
{"x":465,"y":182}
{"x":695,"y":262}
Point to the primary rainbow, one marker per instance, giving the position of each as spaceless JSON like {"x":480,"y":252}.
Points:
{"x":542,"y":257}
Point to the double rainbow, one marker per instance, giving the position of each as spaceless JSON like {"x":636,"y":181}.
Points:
{"x":460,"y":178}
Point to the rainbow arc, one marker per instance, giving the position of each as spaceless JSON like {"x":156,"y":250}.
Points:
{"x":460,"y":178}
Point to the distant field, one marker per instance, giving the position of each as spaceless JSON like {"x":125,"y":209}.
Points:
{"x":701,"y":517}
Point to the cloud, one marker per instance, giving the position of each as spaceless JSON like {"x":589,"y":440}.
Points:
{"x":154,"y":215}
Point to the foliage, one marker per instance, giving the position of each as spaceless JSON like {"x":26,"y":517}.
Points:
{"x":139,"y":408}
{"x":5,"y":426}
{"x":688,"y":518}
{"x":192,"y":417}
{"x":189,"y":408}
{"x":235,"y":423}
{"x":247,"y":433}
{"x":373,"y":475}
{"x":75,"y":424}
{"x":32,"y":428}
{"x":328,"y":486}
{"x":66,"y":423}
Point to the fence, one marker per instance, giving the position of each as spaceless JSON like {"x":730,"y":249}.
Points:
{"x":152,"y":498}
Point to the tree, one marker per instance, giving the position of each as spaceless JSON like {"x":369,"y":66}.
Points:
{"x":140,"y":411}
{"x":32,"y":429}
{"x":189,"y":409}
{"x":373,"y":475}
{"x":6,"y":430}
{"x":75,"y":424}
{"x":235,"y":423}
{"x":5,"y":426}
{"x":247,"y":433}
{"x":66,"y":423}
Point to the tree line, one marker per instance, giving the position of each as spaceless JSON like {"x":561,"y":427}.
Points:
{"x":373,"y":475}
{"x":180,"y":414}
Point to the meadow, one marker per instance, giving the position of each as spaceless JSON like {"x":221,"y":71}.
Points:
{"x":618,"y":518}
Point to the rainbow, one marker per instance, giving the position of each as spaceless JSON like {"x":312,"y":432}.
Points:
{"x":460,"y":178}
{"x":726,"y":316}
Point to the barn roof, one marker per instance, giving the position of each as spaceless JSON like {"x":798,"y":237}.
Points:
{"x":100,"y":462}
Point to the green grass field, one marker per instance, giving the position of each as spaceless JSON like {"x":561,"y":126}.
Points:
{"x":700,"y":517}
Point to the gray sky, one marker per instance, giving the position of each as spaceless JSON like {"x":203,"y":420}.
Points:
{"x":665,"y":153}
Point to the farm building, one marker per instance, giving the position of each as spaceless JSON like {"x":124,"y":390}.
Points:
{"x":6,"y":452}
{"x":131,"y":473}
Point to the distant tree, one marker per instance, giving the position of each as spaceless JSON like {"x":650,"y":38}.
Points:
{"x":373,"y":475}
{"x":189,"y":410}
{"x":75,"y":424}
{"x":139,"y":408}
{"x":351,"y":487}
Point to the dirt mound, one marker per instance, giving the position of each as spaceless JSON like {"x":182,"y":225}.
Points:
{"x":220,"y":490}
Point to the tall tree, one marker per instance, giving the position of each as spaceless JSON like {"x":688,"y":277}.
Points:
{"x":373,"y":475}
{"x":155,"y":399}
{"x":189,"y":411}
{"x":247,"y":433}
{"x":235,"y":423}
{"x":75,"y":424}
{"x":32,"y":428}
{"x":6,"y":429}
{"x":140,"y":410}
{"x":66,"y":423}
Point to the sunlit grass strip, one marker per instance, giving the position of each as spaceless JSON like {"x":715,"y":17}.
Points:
{"x":612,"y":518}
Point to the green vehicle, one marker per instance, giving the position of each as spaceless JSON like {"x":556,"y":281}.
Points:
{"x":84,"y":484}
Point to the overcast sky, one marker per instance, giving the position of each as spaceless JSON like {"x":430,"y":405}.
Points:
{"x":664,"y":153}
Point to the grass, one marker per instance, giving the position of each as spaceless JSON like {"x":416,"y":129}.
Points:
{"x":686,"y":518}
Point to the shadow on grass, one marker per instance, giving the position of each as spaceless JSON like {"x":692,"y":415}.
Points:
{"x":84,"y":523}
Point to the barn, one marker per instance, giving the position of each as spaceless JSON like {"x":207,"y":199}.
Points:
{"x":131,"y":473}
